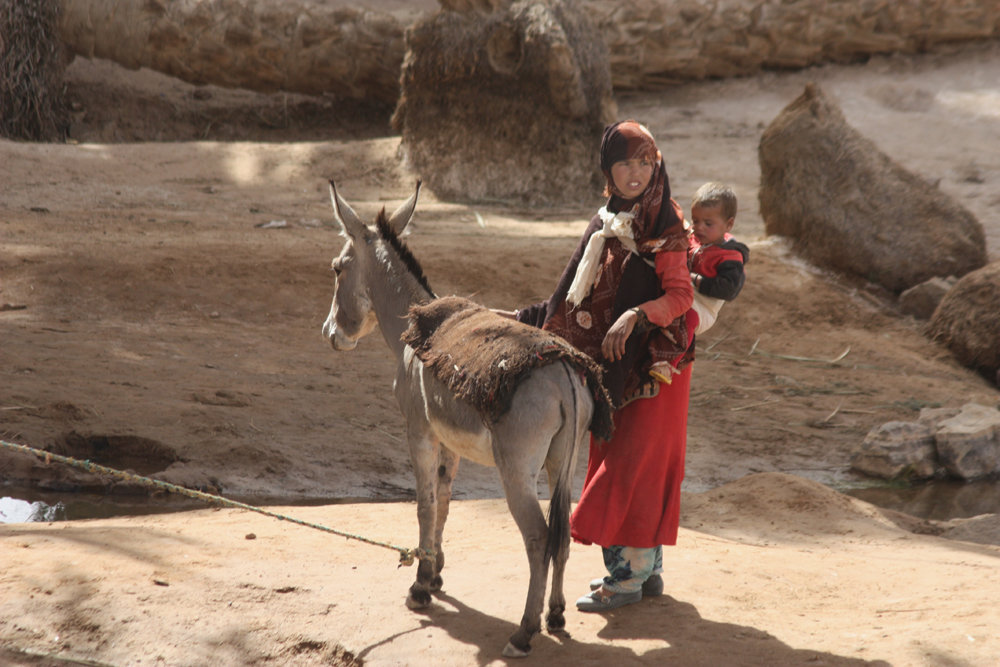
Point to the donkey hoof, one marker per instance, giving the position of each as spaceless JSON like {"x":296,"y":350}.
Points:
{"x":511,"y":651}
{"x":555,"y":621}
{"x":418,"y":599}
{"x":436,"y":583}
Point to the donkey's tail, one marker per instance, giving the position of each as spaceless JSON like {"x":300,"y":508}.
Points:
{"x":559,"y":504}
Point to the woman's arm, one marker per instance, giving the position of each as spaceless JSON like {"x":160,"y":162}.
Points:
{"x":678,"y":293}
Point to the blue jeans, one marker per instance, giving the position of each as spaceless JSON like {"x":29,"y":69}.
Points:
{"x":629,"y":567}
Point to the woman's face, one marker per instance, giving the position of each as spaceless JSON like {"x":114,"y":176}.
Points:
{"x":632,"y":176}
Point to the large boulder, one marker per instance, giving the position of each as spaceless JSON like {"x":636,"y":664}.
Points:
{"x":506,"y":101}
{"x":848,"y":207}
{"x":959,"y":443}
{"x":968,"y":444}
{"x":967,"y":321}
{"x":898,"y":450}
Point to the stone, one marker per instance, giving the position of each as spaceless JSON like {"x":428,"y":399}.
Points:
{"x":898,"y":451}
{"x":968,"y":444}
{"x":937,"y":415}
{"x":982,"y":529}
{"x":921,"y":300}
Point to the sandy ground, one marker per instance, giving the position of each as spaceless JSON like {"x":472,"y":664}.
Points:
{"x":163,"y":280}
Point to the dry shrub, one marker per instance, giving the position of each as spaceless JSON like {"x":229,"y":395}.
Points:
{"x":849,"y":207}
{"x":508,"y":105}
{"x":32,"y":64}
{"x":967,"y":321}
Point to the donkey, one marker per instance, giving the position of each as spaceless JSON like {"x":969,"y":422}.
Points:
{"x":377,"y":282}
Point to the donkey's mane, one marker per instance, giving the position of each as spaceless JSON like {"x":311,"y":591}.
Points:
{"x":389,"y":235}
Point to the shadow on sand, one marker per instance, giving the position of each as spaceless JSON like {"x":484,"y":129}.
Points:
{"x":687,"y":638}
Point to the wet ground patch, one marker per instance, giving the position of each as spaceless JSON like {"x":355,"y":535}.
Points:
{"x":122,"y":452}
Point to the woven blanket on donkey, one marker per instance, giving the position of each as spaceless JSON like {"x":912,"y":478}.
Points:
{"x":482,"y":357}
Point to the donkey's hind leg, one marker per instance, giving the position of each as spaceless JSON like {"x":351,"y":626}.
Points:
{"x":520,"y":447}
{"x":560,"y":465}
{"x":447,"y":467}
{"x":523,"y":503}
{"x":555,"y":620}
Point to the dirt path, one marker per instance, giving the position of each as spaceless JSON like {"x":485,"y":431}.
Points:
{"x":770,"y":570}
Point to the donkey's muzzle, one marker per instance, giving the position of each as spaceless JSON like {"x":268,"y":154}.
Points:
{"x":337,"y":340}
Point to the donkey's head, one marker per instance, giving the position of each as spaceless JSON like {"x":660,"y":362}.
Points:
{"x":352,"y":313}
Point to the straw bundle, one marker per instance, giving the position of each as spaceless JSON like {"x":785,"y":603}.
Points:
{"x":31,"y":71}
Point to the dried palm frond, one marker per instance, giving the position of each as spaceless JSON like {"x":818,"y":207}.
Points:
{"x":32,"y":64}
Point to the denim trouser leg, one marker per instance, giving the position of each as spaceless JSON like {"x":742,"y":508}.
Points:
{"x":628,"y":567}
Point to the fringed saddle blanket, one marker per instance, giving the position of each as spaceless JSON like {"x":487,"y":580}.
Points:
{"x":482,"y":357}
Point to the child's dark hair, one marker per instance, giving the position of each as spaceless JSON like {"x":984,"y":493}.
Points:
{"x":717,"y":194}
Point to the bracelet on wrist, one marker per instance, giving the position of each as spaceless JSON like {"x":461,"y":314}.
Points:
{"x":642,"y":320}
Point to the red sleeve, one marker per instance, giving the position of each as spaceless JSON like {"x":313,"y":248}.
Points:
{"x":678,"y":294}
{"x":709,"y":266}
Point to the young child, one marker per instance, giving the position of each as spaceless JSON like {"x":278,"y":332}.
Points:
{"x":717,"y":258}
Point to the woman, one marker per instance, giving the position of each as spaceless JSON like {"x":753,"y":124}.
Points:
{"x":623,"y":299}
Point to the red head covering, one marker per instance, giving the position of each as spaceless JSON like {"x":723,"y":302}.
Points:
{"x":656,"y":212}
{"x":626,"y":140}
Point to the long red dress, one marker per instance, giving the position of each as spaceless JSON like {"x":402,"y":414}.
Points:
{"x":633,"y":496}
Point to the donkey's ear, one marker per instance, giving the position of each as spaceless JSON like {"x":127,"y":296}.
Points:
{"x":402,"y":216}
{"x":349,"y":221}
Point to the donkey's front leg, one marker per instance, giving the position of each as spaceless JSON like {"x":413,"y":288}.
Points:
{"x":447,"y":467}
{"x":424,"y":453}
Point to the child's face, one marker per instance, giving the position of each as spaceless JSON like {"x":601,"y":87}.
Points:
{"x":632,"y":176}
{"x":709,"y":225}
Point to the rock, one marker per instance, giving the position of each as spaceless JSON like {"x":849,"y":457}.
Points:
{"x":898,"y":450}
{"x":937,"y":415}
{"x":921,"y":300}
{"x":983,"y":529}
{"x":506,"y":105}
{"x":848,"y":207}
{"x":958,"y":442}
{"x":967,"y":321}
{"x":968,"y":444}
{"x":657,"y":43}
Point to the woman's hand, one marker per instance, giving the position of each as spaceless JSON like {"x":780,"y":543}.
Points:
{"x":613,"y":346}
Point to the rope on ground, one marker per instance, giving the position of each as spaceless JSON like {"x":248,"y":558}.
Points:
{"x":406,"y":556}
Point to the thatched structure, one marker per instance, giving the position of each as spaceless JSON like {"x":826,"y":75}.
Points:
{"x":507,"y":105}
{"x":849,"y":207}
{"x":31,"y":71}
{"x":967,"y":321}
